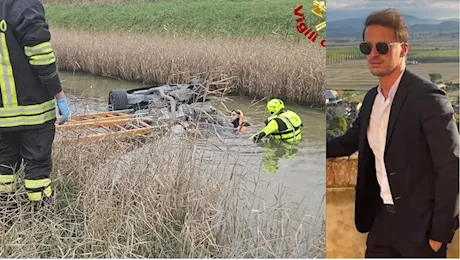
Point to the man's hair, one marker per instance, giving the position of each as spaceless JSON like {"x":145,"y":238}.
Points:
{"x":236,"y":111}
{"x":390,"y":18}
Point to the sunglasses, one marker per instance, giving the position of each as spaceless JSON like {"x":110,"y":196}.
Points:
{"x":382,"y":47}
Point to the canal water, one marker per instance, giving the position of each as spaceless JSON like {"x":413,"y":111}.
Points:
{"x":300,"y":173}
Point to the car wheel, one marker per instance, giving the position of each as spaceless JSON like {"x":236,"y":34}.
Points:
{"x":118,"y":99}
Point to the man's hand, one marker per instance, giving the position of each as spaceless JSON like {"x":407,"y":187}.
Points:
{"x":435,"y":245}
{"x":64,"y":110}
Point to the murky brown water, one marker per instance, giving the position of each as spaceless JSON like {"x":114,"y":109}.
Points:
{"x":302,"y":173}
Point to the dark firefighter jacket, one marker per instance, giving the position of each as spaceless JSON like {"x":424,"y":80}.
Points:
{"x":28,"y":73}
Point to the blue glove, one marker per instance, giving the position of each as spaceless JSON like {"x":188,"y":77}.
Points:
{"x":64,"y":110}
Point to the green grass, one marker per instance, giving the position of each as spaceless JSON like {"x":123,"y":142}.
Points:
{"x":337,"y":54}
{"x":436,"y":56}
{"x":247,"y":18}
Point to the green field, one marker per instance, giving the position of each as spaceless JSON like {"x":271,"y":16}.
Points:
{"x":355,"y":75}
{"x":435,"y":56}
{"x":419,"y":53}
{"x":338,"y":54}
{"x":233,"y":18}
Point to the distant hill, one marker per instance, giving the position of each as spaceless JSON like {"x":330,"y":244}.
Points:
{"x":353,"y":27}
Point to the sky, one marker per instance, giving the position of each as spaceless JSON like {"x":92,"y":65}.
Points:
{"x":426,"y":9}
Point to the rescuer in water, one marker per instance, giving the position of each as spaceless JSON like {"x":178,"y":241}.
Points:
{"x":283,"y":125}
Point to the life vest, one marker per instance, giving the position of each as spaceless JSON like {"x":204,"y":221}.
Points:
{"x":289,"y":126}
{"x":239,"y":122}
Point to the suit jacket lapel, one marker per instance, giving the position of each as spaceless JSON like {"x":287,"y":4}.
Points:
{"x":364,"y":150}
{"x":368,"y":102}
{"x":400,"y":96}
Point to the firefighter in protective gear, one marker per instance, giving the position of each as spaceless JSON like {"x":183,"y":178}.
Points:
{"x":30,"y":87}
{"x":284,"y":125}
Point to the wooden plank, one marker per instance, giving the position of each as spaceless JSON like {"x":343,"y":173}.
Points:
{"x":101,"y":118}
{"x":87,"y":128}
{"x":94,"y":131}
{"x":106,"y":128}
{"x":94,"y":123}
{"x":98,"y":137}
{"x":108,"y":115}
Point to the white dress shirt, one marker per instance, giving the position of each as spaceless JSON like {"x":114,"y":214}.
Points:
{"x":376,"y":135}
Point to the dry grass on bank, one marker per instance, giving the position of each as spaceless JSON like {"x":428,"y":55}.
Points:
{"x":262,"y":68}
{"x":162,"y":200}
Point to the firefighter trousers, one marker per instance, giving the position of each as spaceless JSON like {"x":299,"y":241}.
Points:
{"x":34,"y":146}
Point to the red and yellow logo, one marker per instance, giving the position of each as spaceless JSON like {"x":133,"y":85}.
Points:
{"x":312,"y":34}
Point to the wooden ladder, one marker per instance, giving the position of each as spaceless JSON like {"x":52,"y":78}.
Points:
{"x":98,"y":126}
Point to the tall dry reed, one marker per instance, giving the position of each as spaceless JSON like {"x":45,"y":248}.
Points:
{"x":260,"y":67}
{"x":157,"y":198}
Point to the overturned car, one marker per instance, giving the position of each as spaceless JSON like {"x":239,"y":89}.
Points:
{"x":170,"y":104}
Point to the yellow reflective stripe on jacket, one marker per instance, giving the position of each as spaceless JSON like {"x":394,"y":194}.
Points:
{"x":288,"y":122}
{"x":45,"y":59}
{"x":292,"y":133}
{"x":12,"y":114}
{"x":27,"y":110}
{"x":42,"y":48}
{"x":3,"y":26}
{"x":290,"y":127}
{"x":7,"y":84}
{"x":289,"y":135}
{"x":40,"y":54}
{"x":28,"y":120}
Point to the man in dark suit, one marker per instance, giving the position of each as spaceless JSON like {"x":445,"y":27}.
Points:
{"x":408,"y":147}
